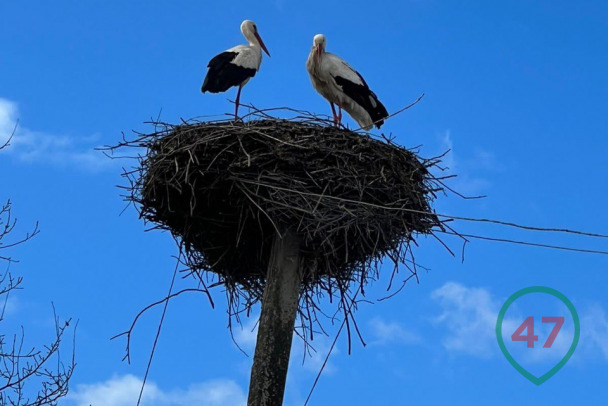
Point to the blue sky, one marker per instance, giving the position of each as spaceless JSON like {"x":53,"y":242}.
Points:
{"x":517,"y":91}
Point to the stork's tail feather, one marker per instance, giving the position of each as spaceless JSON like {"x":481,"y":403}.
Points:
{"x":215,"y":82}
{"x":367,"y":100}
{"x":377,"y":113}
{"x":205,"y":86}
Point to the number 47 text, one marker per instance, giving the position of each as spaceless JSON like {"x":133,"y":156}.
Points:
{"x":530,"y":338}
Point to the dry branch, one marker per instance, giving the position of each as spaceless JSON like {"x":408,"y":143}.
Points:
{"x":34,"y":376}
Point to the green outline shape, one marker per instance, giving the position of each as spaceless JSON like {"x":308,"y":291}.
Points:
{"x":503,"y":348}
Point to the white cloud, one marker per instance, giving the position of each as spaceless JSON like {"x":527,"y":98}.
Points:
{"x":246,"y":334}
{"x":484,"y":160}
{"x":10,"y":305}
{"x":124,"y":391}
{"x":8,"y":111}
{"x":312,"y":361}
{"x":448,"y":144}
{"x":469,"y":315}
{"x":468,"y":181}
{"x":594,"y":329}
{"x":391,"y":333}
{"x":30,"y":146}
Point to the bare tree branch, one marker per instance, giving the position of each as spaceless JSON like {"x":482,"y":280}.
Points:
{"x":27,"y":376}
{"x":8,"y":141}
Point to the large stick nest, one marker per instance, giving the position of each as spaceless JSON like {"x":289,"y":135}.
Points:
{"x":225,"y":189}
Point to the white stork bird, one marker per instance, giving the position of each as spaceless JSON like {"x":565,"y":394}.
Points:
{"x":235,"y":66}
{"x":335,"y":80}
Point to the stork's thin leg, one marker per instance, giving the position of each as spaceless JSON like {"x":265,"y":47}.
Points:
{"x":339,"y":115}
{"x":238,"y":98}
{"x":333,"y":110}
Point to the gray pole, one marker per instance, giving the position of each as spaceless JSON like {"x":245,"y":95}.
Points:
{"x":277,"y":321}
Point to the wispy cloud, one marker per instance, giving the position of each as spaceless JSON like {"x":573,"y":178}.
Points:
{"x":312,"y":360}
{"x":246,"y":334}
{"x":594,"y":326}
{"x":8,"y":111}
{"x":124,"y":391}
{"x":469,"y":169}
{"x":384,"y":332}
{"x":9,"y":304}
{"x":29,"y":146}
{"x":469,"y":316}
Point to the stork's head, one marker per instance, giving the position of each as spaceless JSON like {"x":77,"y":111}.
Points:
{"x":250,"y":31}
{"x":318,"y":43}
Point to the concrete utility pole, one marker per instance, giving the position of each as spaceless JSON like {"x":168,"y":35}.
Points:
{"x":277,"y":321}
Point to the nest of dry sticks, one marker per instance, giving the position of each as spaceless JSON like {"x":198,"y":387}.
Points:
{"x":226,"y":188}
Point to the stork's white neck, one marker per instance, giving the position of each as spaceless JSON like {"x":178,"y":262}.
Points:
{"x":253,"y":41}
{"x":251,"y":38}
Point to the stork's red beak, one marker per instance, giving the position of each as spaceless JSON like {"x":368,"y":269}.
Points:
{"x":261,"y":43}
{"x":319,"y":52}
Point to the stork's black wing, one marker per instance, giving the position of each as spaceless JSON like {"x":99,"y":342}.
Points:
{"x":223,"y":73}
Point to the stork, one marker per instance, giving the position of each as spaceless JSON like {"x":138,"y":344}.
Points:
{"x":340,"y":84}
{"x":235,"y":66}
